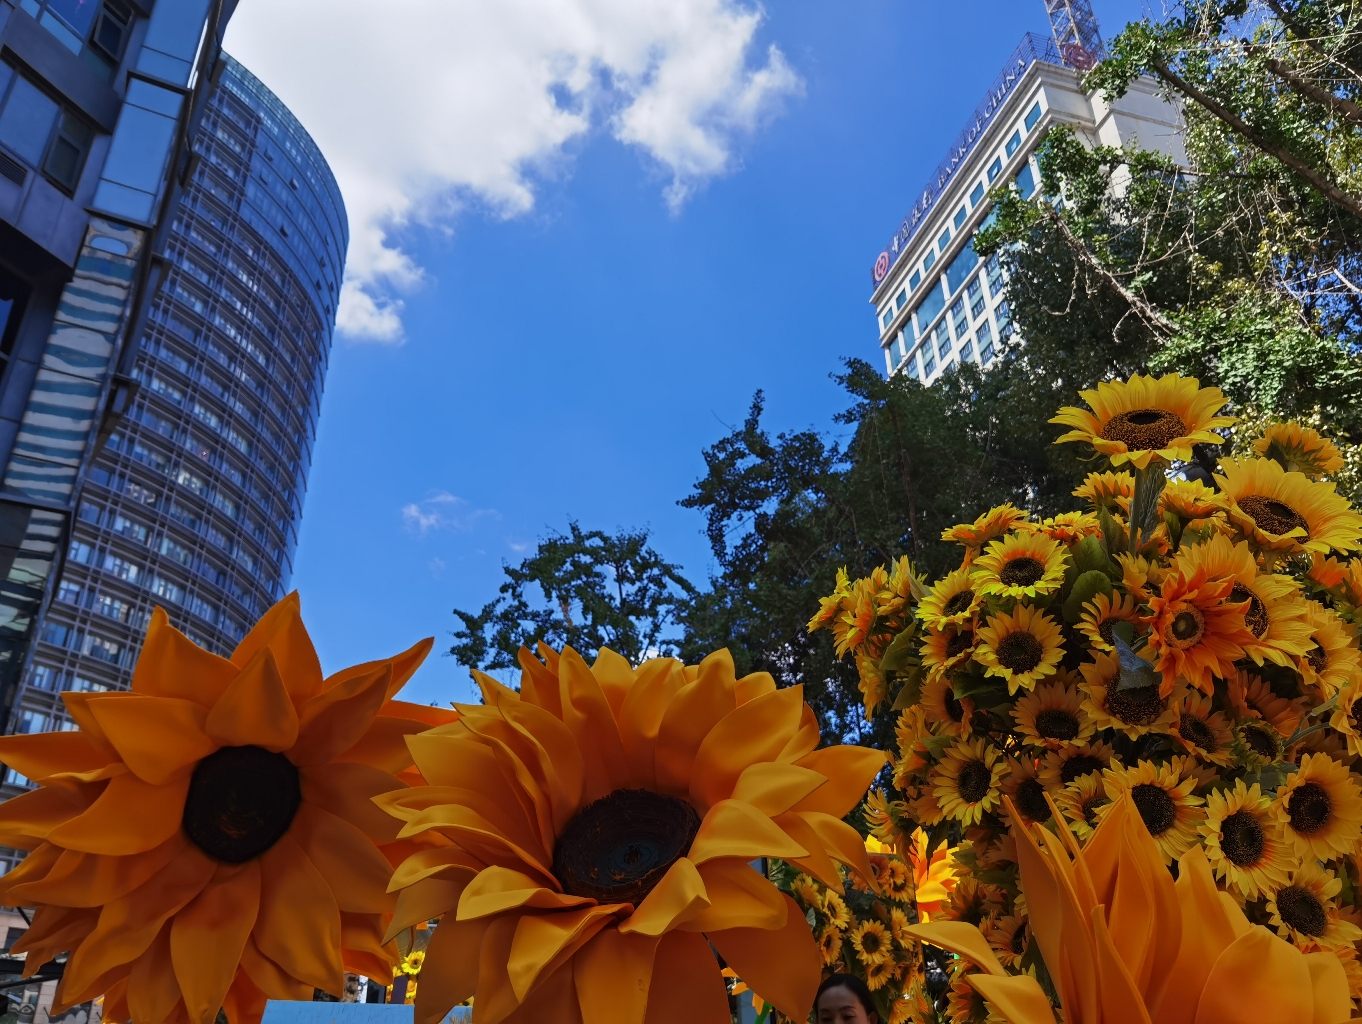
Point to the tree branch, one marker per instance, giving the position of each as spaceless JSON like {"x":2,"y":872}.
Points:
{"x":1303,"y":35}
{"x":1310,"y":90}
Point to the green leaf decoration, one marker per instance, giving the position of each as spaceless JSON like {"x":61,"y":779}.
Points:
{"x":911,"y":692}
{"x":1085,"y":588}
{"x":900,"y":651}
{"x":1111,"y":532}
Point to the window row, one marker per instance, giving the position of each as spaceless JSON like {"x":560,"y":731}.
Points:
{"x":55,"y":680}
{"x":42,"y":133}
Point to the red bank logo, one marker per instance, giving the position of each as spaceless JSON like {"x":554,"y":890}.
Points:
{"x":881,"y":267}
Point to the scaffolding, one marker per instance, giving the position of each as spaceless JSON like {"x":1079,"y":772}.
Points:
{"x":1076,"y":32}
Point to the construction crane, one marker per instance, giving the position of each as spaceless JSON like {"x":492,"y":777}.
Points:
{"x":1076,"y":32}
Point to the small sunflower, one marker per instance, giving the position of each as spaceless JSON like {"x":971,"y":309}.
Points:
{"x":830,"y":945}
{"x":1327,"y":571}
{"x":872,"y":683}
{"x":1196,"y":632}
{"x":880,"y":974}
{"x":1062,"y":767}
{"x":944,"y":649}
{"x":1302,"y":448}
{"x":872,"y":943}
{"x":1141,"y":577}
{"x":1108,"y":490}
{"x":1347,"y":716}
{"x":988,"y":527}
{"x":1163,"y":795}
{"x":898,"y":927}
{"x":835,"y":909}
{"x":965,"y":783}
{"x":1332,"y":659}
{"x":1190,"y":500}
{"x":951,"y":602}
{"x":964,"y":1004}
{"x":1025,"y":790}
{"x":1051,"y":716}
{"x":1022,"y":647}
{"x":1134,"y":711}
{"x":1143,"y":419}
{"x":1257,"y":744}
{"x":1287,"y":511}
{"x":1244,"y":842}
{"x":1304,"y":911}
{"x":1020,"y":565}
{"x":926,"y":809}
{"x":912,"y":734}
{"x":950,"y":716}
{"x":1252,"y":697}
{"x":1081,"y":802}
{"x":1320,"y":808}
{"x":1009,"y":937}
{"x":1102,"y":613}
{"x":1201,"y":731}
{"x":974,"y":902}
{"x":1069,"y":528}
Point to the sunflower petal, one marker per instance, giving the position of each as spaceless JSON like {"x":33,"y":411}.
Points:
{"x":256,"y":709}
{"x":679,"y":897}
{"x":497,"y":1000}
{"x":40,"y":754}
{"x":612,"y":973}
{"x":496,"y":890}
{"x":640,"y":716}
{"x":130,"y":816}
{"x":781,"y":965}
{"x":753,"y":732}
{"x":1019,"y":999}
{"x":26,"y":820}
{"x":157,"y":737}
{"x":841,"y":842}
{"x":353,"y":866}
{"x":587,"y":714}
{"x":172,"y":665}
{"x":269,"y":976}
{"x":299,"y":922}
{"x":90,"y":880}
{"x":849,"y":770}
{"x":404,"y":666}
{"x":733,"y":828}
{"x":281,"y":629}
{"x":449,"y":975}
{"x":615,"y":676}
{"x":964,"y":940}
{"x":696,"y":709}
{"x":773,"y":788}
{"x":207,"y":937}
{"x":152,"y":988}
{"x":739,"y":897}
{"x":347,"y":790}
{"x":337,"y":719}
{"x":1329,"y":985}
{"x":543,"y":943}
{"x":426,"y":900}
{"x":1261,"y":971}
{"x":433,"y":861}
{"x":817,"y":863}
{"x":687,"y":987}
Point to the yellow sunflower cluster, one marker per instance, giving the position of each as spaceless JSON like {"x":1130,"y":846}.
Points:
{"x":1185,"y":644}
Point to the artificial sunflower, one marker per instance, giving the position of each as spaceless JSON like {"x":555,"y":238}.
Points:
{"x":1064,"y":766}
{"x":1190,"y":500}
{"x":1009,"y":938}
{"x":1027,"y":793}
{"x":1134,"y":711}
{"x":974,"y":902}
{"x":872,"y":683}
{"x":1111,"y":491}
{"x":944,"y":649}
{"x":1052,"y":716}
{"x":830,"y":945}
{"x":1244,"y":842}
{"x":1332,"y":659}
{"x":878,"y":975}
{"x":1275,"y":615}
{"x":950,"y":715}
{"x":988,"y":527}
{"x":951,"y":602}
{"x":964,"y":1004}
{"x":912,"y":733}
{"x":1102,"y":613}
{"x":1347,"y":716}
{"x":965,"y":781}
{"x":1283,"y":511}
{"x":1303,"y":910}
{"x":1020,"y":565}
{"x":1196,"y":632}
{"x":1301,"y":449}
{"x":838,"y":914}
{"x":1069,"y":528}
{"x":1141,"y":577}
{"x":206,"y":840}
{"x":1257,"y":744}
{"x":1022,"y":647}
{"x":925,"y":807}
{"x":596,"y":830}
{"x":1143,"y":419}
{"x":1320,"y":808}
{"x":1252,"y":697}
{"x":872,"y":943}
{"x":933,"y":877}
{"x":1201,"y":731}
{"x":1081,"y":803}
{"x":1162,"y":794}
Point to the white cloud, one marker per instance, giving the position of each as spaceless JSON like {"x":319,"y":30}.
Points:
{"x":424,"y":106}
{"x":443,"y":511}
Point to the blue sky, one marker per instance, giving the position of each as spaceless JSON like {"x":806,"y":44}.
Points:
{"x":570,"y":341}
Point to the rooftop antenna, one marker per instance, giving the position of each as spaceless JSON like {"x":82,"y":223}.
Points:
{"x":1076,"y":32}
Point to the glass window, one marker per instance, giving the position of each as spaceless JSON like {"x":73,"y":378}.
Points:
{"x":66,"y":159}
{"x":83,"y":685}
{"x":912,"y":368}
{"x":975,"y":291}
{"x":32,"y":721}
{"x":1013,"y":142}
{"x":915,"y":280}
{"x":944,"y":240}
{"x":26,"y":121}
{"x":1026,"y":182}
{"x":960,"y":215}
{"x":961,"y":267}
{"x":885,"y":321}
{"x":122,"y":568}
{"x":79,"y":552}
{"x":111,"y":33}
{"x":929,"y":261}
{"x":56,"y":633}
{"x":943,"y":339}
{"x":977,"y":196}
{"x":1033,"y":116}
{"x":68,"y":592}
{"x":902,"y":299}
{"x":167,"y":590}
{"x":986,"y":353}
{"x":967,"y":351}
{"x":928,"y":362}
{"x":129,"y":528}
{"x":43,"y":677}
{"x":930,"y":306}
{"x":105,"y":650}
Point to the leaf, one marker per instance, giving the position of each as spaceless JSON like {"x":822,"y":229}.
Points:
{"x":1135,"y":671}
{"x":900,"y":650}
{"x":936,"y":745}
{"x":1088,"y":555}
{"x":937,"y":835}
{"x":1144,"y":506}
{"x":911,"y":692}
{"x":1125,"y":631}
{"x":978,"y":687}
{"x":1085,"y":588}
{"x":1174,"y":525}
{"x":1111,"y":531}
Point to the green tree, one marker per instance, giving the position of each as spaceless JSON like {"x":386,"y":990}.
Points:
{"x":586,"y":589}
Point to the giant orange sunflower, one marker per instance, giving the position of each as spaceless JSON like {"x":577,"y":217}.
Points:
{"x":207,"y":840}
{"x":595,"y":835}
{"x":1143,"y":419}
{"x":1197,"y":632}
{"x":1283,"y":511}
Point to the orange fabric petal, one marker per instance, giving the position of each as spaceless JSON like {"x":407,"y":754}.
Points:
{"x":693,"y":712}
{"x":840,"y":842}
{"x":1020,"y":1000}
{"x":561,"y":769}
{"x":383,"y":746}
{"x":773,"y":788}
{"x":152,"y":988}
{"x":339,"y":718}
{"x":90,"y":880}
{"x":299,"y":923}
{"x":544,"y":942}
{"x":817,"y":863}
{"x":449,"y":975}
{"x":1122,"y":1001}
{"x":269,"y":977}
{"x":27,"y":819}
{"x":963,"y":939}
{"x":245,"y":1003}
{"x":1329,"y":985}
{"x":553,"y":999}
{"x":255,"y":710}
{"x":587,"y":714}
{"x":755,"y":731}
{"x":804,"y":741}
{"x":40,"y":754}
{"x":432,"y":861}
{"x":736,"y":829}
{"x":55,"y":930}
{"x":739,"y":896}
{"x":353,"y":866}
{"x":687,"y":987}
{"x":539,"y":683}
{"x":612,"y":974}
{"x":347,"y":790}
{"x":496,"y":998}
{"x":496,"y":890}
{"x":679,"y":897}
{"x":752,"y":686}
{"x":208,"y":935}
{"x":281,"y":629}
{"x":130,"y":816}
{"x":78,"y":707}
{"x":404,"y":666}
{"x":849,"y":770}
{"x":426,"y":900}
{"x":1206,"y":933}
{"x":1261,"y":971}
{"x":640,"y":716}
{"x":615,"y":676}
{"x":783,"y":965}
{"x":157,"y":737}
{"x":172,"y":665}
{"x":362,"y":942}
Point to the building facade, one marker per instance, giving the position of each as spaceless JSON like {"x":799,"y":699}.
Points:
{"x":193,"y":502}
{"x":936,"y":304}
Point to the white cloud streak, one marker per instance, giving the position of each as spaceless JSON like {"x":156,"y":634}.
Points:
{"x":443,"y":511}
{"x":423,"y":107}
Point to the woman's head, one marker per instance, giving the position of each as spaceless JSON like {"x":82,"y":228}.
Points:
{"x":845,"y":999}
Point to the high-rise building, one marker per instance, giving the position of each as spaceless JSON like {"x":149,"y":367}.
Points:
{"x":936,"y":305}
{"x":193,"y":502}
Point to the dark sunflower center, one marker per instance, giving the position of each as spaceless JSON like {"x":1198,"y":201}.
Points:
{"x":1156,"y":807}
{"x":953,"y":706}
{"x":959,"y":643}
{"x":1309,"y":808}
{"x":1317,"y":657}
{"x":1140,"y":705}
{"x":1242,"y":839}
{"x":1261,"y":742}
{"x":1022,"y":572}
{"x":1020,"y":651}
{"x":1197,"y":733}
{"x":1077,"y":767}
{"x":1056,"y":724}
{"x":1355,"y":713}
{"x":1186,"y":628}
{"x":1255,"y":616}
{"x":1030,"y":800}
{"x":616,"y":849}
{"x":1089,"y":808}
{"x":1273,"y":516}
{"x":1302,"y":910}
{"x":959,"y":603}
{"x":1144,"y":429}
{"x":974,"y":782}
{"x":241,"y":800}
{"x":1105,"y":629}
{"x":1018,"y":942}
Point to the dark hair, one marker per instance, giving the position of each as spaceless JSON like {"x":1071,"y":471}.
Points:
{"x":852,"y":984}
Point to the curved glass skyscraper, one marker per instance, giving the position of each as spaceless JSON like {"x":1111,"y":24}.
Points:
{"x":194,"y":500}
